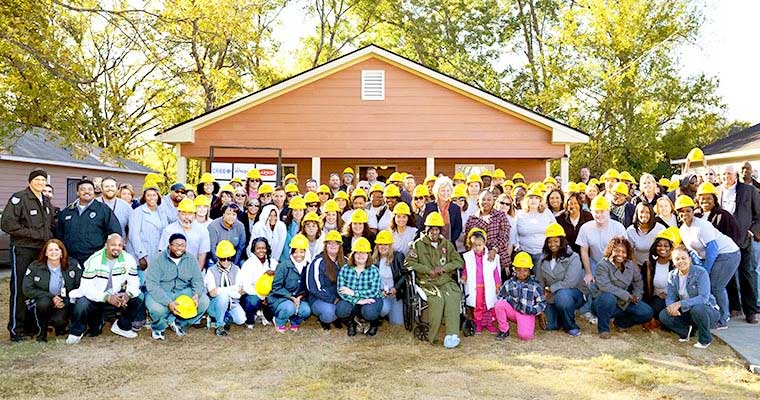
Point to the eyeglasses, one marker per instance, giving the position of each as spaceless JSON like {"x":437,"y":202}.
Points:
{"x":254,"y":180}
{"x":504,"y":203}
{"x":419,"y":198}
{"x":312,"y":205}
{"x":240,"y":195}
{"x":253,"y":204}
{"x":225,"y":259}
{"x":460,"y":199}
{"x":291,"y":194}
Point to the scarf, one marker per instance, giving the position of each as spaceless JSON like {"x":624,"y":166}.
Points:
{"x":225,"y":279}
{"x":443,"y":208}
{"x":619,"y":211}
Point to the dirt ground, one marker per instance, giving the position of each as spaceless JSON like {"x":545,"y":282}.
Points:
{"x":314,"y":364}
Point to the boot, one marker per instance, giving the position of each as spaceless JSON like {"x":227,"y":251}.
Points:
{"x":42,"y":336}
{"x":325,"y":325}
{"x":351,"y":327}
{"x":373,"y":327}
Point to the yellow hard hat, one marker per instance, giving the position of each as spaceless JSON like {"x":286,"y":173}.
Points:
{"x":391,"y":191}
{"x":361,"y":245}
{"x":341,"y":195}
{"x":696,"y":154}
{"x":431,"y":178}
{"x":297,"y":203}
{"x":674,"y":184}
{"x":664,"y":182}
{"x":148,"y":185}
{"x":359,"y":217}
{"x":402,"y":209}
{"x":299,"y":242}
{"x":593,"y":181}
{"x":487,"y":173}
{"x":348,"y":170}
{"x":359,"y":192}
{"x":459,"y":176}
{"x":535,"y":191}
{"x":572,"y":187}
{"x":395,"y":177}
{"x":600,"y":203}
{"x":290,"y":176}
{"x":684,"y":201}
{"x":236,"y":179}
{"x":474,"y":178}
{"x":376,"y":188}
{"x":671,"y":233}
{"x":227,"y":188}
{"x":540,"y":186}
{"x":313,"y":217}
{"x":225,"y":249}
{"x":620,"y":188}
{"x":384,"y":237}
{"x":555,"y":230}
{"x":186,"y":205}
{"x":611,"y":173}
{"x":499,"y":173}
{"x":626,"y":176}
{"x":550,"y":179}
{"x":460,"y":190}
{"x":707,"y":188}
{"x":330,"y":206}
{"x":155,"y":178}
{"x":517,"y":176}
{"x":253,"y":173}
{"x":522,"y":260}
{"x":508,"y":184}
{"x":264,"y":285}
{"x":581,"y":187}
{"x":323,"y":189}
{"x":291,"y":188}
{"x":186,"y":306}
{"x":310,"y":197}
{"x":421,"y":191}
{"x":266,"y":189}
{"x":434,"y":219}
{"x":472,"y":232}
{"x":202,"y":201}
{"x":207,"y":178}
{"x":333,"y":236}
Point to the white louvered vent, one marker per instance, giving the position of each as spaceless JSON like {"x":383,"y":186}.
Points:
{"x":373,"y":85}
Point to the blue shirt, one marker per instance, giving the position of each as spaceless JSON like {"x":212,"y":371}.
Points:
{"x":56,"y":281}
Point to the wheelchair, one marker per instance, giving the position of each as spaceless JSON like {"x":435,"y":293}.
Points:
{"x":415,"y":304}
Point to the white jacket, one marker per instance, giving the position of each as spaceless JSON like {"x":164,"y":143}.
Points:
{"x":95,"y":277}
{"x":488,"y":279}
{"x":275,"y":237}
{"x":251,"y":271}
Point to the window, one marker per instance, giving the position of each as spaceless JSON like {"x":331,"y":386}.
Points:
{"x":373,"y":85}
{"x":71,"y":189}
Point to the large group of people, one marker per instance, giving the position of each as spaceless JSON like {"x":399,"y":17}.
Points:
{"x":679,"y":255}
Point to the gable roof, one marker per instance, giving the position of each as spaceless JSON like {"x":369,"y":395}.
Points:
{"x":184,"y":132}
{"x":743,"y":143}
{"x":34,"y":146}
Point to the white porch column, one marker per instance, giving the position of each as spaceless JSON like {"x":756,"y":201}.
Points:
{"x":548,"y":168}
{"x":316,"y":168}
{"x":429,"y":167}
{"x":181,"y":164}
{"x":564,"y":166}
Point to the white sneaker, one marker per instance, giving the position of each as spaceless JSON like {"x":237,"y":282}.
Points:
{"x":701,"y":346}
{"x":249,"y":326}
{"x":130,"y":334}
{"x":73,"y":339}
{"x":158,"y":335}
{"x":177,"y":329}
{"x":591,"y":318}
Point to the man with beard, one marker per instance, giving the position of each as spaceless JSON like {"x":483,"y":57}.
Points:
{"x":119,"y":207}
{"x":174,"y":274}
{"x":197,"y":240}
{"x":171,"y":201}
{"x":109,"y":286}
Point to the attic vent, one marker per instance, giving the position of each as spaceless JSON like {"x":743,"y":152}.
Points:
{"x":373,"y":85}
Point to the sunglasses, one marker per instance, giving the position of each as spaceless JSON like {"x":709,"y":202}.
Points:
{"x":225,"y":259}
{"x":419,"y":198}
{"x":253,"y":204}
{"x":313,"y":205}
{"x":460,"y":199}
{"x":504,"y":203}
{"x":180,"y":191}
{"x":291,"y":194}
{"x":239,"y":194}
{"x":254,"y":180}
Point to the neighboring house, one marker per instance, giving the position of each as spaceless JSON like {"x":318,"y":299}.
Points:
{"x":734,"y":149}
{"x":373,"y":107}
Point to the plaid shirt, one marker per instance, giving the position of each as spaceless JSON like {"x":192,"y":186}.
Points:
{"x":365,"y":285}
{"x":526,"y":297}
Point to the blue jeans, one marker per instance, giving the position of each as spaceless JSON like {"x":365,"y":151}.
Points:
{"x":160,"y":314}
{"x":561,"y":313}
{"x":588,"y":307}
{"x":370,"y":312}
{"x":606,"y":308}
{"x":657,"y":305}
{"x":286,"y":311}
{"x":394,"y":309}
{"x":221,"y":306}
{"x":324,"y":311}
{"x":702,"y":316}
{"x":251,"y":305}
{"x":723,"y":270}
{"x":756,"y":265}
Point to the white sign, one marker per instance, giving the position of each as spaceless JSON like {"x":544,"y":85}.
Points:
{"x":268,"y":172}
{"x":241,"y":169}
{"x":222,"y":171}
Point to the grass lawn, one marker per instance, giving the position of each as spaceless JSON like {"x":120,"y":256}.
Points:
{"x":313,"y":364}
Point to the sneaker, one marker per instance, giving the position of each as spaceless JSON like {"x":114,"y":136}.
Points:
{"x":220,"y":331}
{"x":249,"y":326}
{"x":138,"y":325}
{"x":502,"y":335}
{"x":158,"y":335}
{"x":294,"y":328}
{"x":130,"y":334}
{"x":451,"y":341}
{"x":688,"y":334}
{"x":73,"y":339}
{"x":591,"y":318}
{"x":177,"y":329}
{"x":605,"y":335}
{"x":574,"y":332}
{"x":281,"y":329}
{"x":722,"y":327}
{"x":701,"y":346}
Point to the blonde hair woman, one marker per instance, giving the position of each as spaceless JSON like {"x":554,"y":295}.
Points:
{"x":442,"y":190}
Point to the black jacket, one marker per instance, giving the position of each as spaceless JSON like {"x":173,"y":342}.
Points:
{"x":85,"y":234}
{"x":347,"y":243}
{"x":627,"y":219}
{"x":571,"y":232}
{"x":723,"y":221}
{"x":37,"y":280}
{"x":27,"y":221}
{"x":399,"y":274}
{"x":747,"y":212}
{"x":455,"y":218}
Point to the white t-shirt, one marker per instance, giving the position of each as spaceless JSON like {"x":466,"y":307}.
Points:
{"x":641,"y":241}
{"x":596,"y":238}
{"x":700,"y":233}
{"x":660,"y":280}
{"x":531,"y":230}
{"x":682,"y":293}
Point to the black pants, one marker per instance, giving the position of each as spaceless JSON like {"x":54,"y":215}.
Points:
{"x":742,"y":288}
{"x":19,"y":323}
{"x":45,"y":314}
{"x":90,"y":313}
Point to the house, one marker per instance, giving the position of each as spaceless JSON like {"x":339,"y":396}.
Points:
{"x":734,"y":149}
{"x":372,"y":107}
{"x":36,"y":149}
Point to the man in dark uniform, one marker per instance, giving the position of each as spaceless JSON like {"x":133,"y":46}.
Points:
{"x":85,"y":224}
{"x":28,"y":219}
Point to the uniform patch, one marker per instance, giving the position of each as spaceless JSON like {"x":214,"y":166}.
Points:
{"x":72,"y":274}
{"x":28,"y":271}
{"x":36,"y":278}
{"x":92,"y":215}
{"x":47,"y":210}
{"x":15,"y":200}
{"x":32,"y":212}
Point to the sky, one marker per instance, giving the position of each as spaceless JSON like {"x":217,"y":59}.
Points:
{"x":728,"y":48}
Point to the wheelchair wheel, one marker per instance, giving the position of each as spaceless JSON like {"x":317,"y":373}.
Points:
{"x":421,"y":332}
{"x":409,"y":307}
{"x":468,"y":327}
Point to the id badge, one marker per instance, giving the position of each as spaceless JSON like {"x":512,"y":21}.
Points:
{"x":63,"y":291}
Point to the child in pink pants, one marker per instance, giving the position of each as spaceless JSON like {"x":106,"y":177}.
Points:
{"x":520,"y":300}
{"x":481,"y":278}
